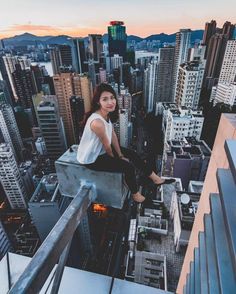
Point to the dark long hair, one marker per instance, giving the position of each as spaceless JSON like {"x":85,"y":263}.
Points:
{"x":113,"y":116}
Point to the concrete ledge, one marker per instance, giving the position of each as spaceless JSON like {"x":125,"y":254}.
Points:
{"x":110,"y":187}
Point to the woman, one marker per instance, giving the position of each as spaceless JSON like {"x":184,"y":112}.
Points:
{"x":99,"y":148}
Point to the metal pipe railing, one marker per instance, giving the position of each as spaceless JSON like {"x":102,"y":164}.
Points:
{"x":41,"y":265}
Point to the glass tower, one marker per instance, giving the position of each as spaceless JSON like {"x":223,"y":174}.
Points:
{"x":117,"y":38}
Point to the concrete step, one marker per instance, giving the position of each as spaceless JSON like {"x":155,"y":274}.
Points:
{"x":197,"y":282}
{"x":224,"y":259}
{"x":203,"y":263}
{"x":192,"y":278}
{"x":230,"y":149}
{"x":212,"y":270}
{"x":227,"y":189}
{"x":188,"y":284}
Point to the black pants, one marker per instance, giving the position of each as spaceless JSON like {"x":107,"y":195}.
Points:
{"x":105,"y":162}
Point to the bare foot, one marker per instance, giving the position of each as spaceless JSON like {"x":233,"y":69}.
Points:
{"x":137,"y":197}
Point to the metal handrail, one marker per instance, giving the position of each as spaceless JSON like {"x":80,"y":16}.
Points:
{"x":36,"y":273}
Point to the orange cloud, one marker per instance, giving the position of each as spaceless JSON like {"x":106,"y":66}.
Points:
{"x":44,"y":30}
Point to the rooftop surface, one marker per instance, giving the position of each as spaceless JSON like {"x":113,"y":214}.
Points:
{"x":73,"y":281}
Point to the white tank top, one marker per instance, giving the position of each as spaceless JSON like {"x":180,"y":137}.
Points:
{"x":90,"y":146}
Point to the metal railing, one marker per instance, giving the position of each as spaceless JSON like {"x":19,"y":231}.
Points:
{"x":55,"y":247}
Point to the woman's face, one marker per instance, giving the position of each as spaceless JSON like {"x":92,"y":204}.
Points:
{"x":107,"y":102}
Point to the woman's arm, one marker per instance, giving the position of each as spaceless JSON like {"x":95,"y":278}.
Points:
{"x":115,"y":144}
{"x":98,"y":127}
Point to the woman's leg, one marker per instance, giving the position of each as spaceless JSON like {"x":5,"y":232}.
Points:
{"x":112,"y":164}
{"x":141,"y":165}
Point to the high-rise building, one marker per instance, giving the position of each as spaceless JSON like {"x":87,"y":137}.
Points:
{"x":11,"y":179}
{"x":2,"y":46}
{"x":228,"y":29}
{"x":5,"y":244}
{"x":5,"y":96}
{"x":67,"y":85}
{"x":123,"y":124}
{"x":210,"y":30}
{"x":64,"y":89}
{"x":182,"y":45}
{"x":95,"y":46}
{"x":85,"y":91}
{"x":228,"y":69}
{"x":181,"y":122}
{"x":51,"y":127}
{"x":10,"y":131}
{"x":102,"y":75}
{"x":225,"y":93}
{"x":152,"y":84}
{"x":186,"y":159}
{"x":37,"y":76}
{"x":25,"y":88}
{"x":55,"y":60}
{"x":5,"y":77}
{"x":124,"y":100}
{"x":7,"y":68}
{"x":189,"y":84}
{"x":61,"y":58}
{"x":215,"y":55}
{"x":165,"y":74}
{"x":77,"y":111}
{"x":78,"y":55}
{"x":117,"y":38}
{"x":92,"y":72}
{"x":115,"y":61}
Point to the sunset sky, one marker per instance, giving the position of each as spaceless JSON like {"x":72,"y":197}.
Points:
{"x":79,"y":18}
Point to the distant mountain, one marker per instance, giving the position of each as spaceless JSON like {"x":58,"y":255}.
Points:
{"x":30,"y":39}
{"x":135,"y":38}
{"x":162,"y":38}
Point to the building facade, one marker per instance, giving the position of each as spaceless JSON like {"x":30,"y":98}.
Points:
{"x":11,"y":179}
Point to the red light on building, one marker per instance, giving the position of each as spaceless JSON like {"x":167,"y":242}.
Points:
{"x":116,"y":23}
{"x":99,"y":208}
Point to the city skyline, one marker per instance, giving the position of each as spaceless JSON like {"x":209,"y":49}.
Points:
{"x":77,"y":18}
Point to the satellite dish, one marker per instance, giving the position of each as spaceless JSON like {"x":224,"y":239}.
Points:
{"x":185,"y":199}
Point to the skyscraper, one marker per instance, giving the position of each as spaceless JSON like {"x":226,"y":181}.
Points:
{"x":183,"y":38}
{"x":64,"y":89}
{"x":25,"y":88}
{"x":77,"y":110}
{"x":228,"y":69}
{"x":117,"y":38}
{"x":215,"y":55}
{"x":51,"y":127}
{"x":124,"y":127}
{"x":61,"y":58}
{"x":10,"y":131}
{"x":7,"y":68}
{"x":165,"y":74}
{"x":210,"y":30}
{"x":11,"y":179}
{"x":189,"y":84}
{"x":6,"y":79}
{"x":84,"y":90}
{"x":5,"y":95}
{"x":67,"y":85}
{"x":78,"y":55}
{"x":152,"y":83}
{"x":95,"y":46}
